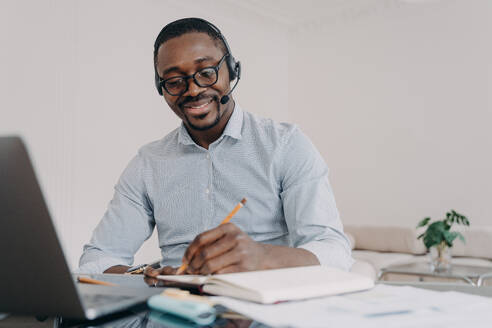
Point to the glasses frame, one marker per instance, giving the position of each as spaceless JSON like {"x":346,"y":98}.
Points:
{"x":216,"y":68}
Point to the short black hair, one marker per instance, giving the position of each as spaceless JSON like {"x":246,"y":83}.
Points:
{"x":187,"y":25}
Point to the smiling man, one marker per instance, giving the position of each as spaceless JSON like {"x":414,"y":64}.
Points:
{"x":187,"y":182}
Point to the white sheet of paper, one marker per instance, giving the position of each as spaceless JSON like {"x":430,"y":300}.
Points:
{"x":383,"y":306}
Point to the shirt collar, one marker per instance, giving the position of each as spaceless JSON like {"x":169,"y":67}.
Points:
{"x":183,"y":136}
{"x":233,"y":128}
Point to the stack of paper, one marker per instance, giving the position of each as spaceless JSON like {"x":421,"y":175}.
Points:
{"x":383,"y":306}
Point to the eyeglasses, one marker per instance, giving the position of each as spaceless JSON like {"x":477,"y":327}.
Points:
{"x":205,"y":77}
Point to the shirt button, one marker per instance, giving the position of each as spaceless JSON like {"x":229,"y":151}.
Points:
{"x":207,"y":191}
{"x":208,"y":156}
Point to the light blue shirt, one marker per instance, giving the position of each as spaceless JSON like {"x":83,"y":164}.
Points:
{"x":183,"y":189}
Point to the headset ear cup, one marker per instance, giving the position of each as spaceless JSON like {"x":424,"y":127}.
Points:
{"x":232,"y":67}
{"x":157,"y":82}
{"x":238,"y":70}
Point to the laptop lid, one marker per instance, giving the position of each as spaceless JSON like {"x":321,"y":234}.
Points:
{"x":34,"y":275}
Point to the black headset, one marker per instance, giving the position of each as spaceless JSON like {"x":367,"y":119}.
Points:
{"x":233,"y":66}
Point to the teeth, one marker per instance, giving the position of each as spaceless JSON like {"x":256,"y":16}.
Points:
{"x":201,"y":106}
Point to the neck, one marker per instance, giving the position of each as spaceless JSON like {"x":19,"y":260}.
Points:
{"x":205,"y":138}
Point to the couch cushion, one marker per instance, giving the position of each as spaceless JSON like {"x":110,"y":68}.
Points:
{"x":386,"y":238}
{"x":384,"y":259}
{"x":351,"y":239}
{"x":364,"y":268}
{"x":477,"y":243}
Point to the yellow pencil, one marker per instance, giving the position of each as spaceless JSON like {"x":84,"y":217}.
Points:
{"x":183,"y":266}
{"x":87,"y":280}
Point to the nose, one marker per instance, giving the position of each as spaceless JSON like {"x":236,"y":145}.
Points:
{"x":193,"y":89}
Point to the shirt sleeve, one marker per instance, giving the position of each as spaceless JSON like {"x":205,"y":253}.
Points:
{"x":309,"y":205}
{"x":127,"y":223}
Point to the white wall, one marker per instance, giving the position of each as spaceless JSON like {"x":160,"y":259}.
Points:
{"x":398,"y":99}
{"x":77,"y":81}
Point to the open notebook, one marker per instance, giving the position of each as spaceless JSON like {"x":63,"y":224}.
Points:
{"x":270,"y":286}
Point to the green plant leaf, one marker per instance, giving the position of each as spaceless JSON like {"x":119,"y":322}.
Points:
{"x":449,"y":237}
{"x":423,"y":222}
{"x":447,"y":226}
{"x":439,"y":232}
{"x":434,"y":234}
{"x":449,"y":218}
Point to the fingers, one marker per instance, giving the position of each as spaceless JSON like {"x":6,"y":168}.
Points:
{"x":211,"y":251}
{"x":152,"y":282}
{"x":151,"y":272}
{"x":221,"y":262}
{"x":208,"y":237}
{"x":230,"y":269}
{"x":167,"y":270}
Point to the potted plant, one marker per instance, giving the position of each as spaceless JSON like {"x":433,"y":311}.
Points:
{"x":438,"y":238}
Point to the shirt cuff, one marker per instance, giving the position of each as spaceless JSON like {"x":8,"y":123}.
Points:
{"x":99,"y":265}
{"x":330,"y":253}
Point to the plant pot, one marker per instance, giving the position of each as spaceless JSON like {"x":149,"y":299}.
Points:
{"x":440,"y":258}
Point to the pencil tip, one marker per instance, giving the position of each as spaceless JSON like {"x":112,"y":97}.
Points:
{"x":243,"y":201}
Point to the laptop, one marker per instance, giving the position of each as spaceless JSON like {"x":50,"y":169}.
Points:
{"x":34,"y":276}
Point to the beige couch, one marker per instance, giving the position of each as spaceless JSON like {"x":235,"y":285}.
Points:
{"x":377,"y":247}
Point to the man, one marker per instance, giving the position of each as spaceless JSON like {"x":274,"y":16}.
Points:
{"x":187,"y":182}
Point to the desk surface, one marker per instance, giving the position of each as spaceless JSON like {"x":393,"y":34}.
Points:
{"x":142,"y":317}
{"x":135,"y":318}
{"x":139,"y":316}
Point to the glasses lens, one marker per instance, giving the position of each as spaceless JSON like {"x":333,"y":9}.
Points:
{"x":175,"y":86}
{"x":206,"y":77}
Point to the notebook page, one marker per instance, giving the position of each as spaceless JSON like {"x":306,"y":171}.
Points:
{"x":189,"y":279}
{"x":296,"y":283}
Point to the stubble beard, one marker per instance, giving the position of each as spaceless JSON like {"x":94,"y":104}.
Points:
{"x":206,"y":127}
